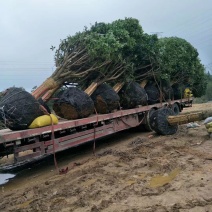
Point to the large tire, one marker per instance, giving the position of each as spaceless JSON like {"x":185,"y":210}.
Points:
{"x":176,"y":109}
{"x":147,"y":121}
{"x":159,"y":123}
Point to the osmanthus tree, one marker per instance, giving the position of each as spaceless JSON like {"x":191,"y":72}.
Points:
{"x":146,"y":62}
{"x":105,"y":52}
{"x":179,"y":64}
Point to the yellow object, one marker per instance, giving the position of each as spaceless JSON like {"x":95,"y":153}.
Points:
{"x":208,"y":125}
{"x":187,"y":93}
{"x":209,"y":130}
{"x":43,"y":121}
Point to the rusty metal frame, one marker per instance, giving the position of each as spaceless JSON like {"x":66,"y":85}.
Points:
{"x":107,"y":124}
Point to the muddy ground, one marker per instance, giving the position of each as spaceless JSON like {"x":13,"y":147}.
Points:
{"x":137,"y":172}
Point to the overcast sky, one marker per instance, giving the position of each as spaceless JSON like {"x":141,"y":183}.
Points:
{"x":28,"y":28}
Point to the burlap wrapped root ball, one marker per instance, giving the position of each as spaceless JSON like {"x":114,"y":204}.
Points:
{"x":153,"y":92}
{"x":132,"y":95}
{"x":73,"y":103}
{"x":167,"y":90}
{"x":18,"y":109}
{"x":105,"y":99}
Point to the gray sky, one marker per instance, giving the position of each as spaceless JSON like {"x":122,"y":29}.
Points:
{"x":28,"y":28}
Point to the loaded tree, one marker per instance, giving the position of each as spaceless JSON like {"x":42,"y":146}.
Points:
{"x":179,"y":64}
{"x":102,"y":53}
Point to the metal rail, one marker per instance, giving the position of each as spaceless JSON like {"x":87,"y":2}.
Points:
{"x":38,"y":143}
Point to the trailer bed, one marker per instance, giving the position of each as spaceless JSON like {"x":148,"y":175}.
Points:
{"x":41,"y":142}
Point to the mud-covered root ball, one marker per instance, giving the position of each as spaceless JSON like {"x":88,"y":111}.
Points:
{"x":160,"y":124}
{"x":73,"y":103}
{"x":105,"y":99}
{"x":132,"y":95}
{"x":153,"y":92}
{"x":18,"y":108}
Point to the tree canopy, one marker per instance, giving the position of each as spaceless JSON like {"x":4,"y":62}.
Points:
{"x":179,"y":63}
{"x":120,"y":51}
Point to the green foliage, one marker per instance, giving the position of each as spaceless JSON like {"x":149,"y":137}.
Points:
{"x":121,"y":51}
{"x":177,"y":57}
{"x":179,"y":62}
{"x":121,"y":42}
{"x":198,"y":80}
{"x":208,"y":94}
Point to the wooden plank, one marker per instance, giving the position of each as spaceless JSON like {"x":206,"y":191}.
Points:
{"x":189,"y":117}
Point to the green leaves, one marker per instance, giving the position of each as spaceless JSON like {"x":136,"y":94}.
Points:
{"x":179,"y":62}
{"x":127,"y":53}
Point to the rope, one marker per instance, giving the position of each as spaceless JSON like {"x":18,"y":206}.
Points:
{"x":126,"y":122}
{"x":95,"y":124}
{"x":53,"y":140}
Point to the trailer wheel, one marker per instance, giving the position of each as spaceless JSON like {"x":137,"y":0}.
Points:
{"x":147,"y":123}
{"x":176,"y":108}
{"x":159,"y":123}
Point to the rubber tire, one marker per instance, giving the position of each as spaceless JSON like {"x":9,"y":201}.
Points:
{"x":148,"y":116}
{"x":176,"y":109}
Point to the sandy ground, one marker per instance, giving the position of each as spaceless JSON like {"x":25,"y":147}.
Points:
{"x":139,"y":172}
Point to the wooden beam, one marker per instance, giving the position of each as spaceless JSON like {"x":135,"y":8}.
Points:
{"x":189,"y":117}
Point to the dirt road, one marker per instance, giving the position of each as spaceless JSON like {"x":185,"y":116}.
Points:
{"x":141,"y":172}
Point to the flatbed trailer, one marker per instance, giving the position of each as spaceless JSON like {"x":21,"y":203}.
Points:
{"x":40,"y":142}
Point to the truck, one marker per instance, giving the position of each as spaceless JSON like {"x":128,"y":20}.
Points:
{"x":31,"y":145}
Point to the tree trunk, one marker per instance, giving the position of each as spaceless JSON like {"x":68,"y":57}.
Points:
{"x":118,"y":86}
{"x":49,"y":94}
{"x":47,"y":85}
{"x":91,"y":88}
{"x":143,"y":83}
{"x":190,"y":117}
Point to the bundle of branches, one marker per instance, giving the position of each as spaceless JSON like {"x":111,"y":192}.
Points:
{"x":18,"y":108}
{"x":132,"y":95}
{"x":73,"y":103}
{"x":105,"y":51}
{"x":153,"y":92}
{"x":105,"y":99}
